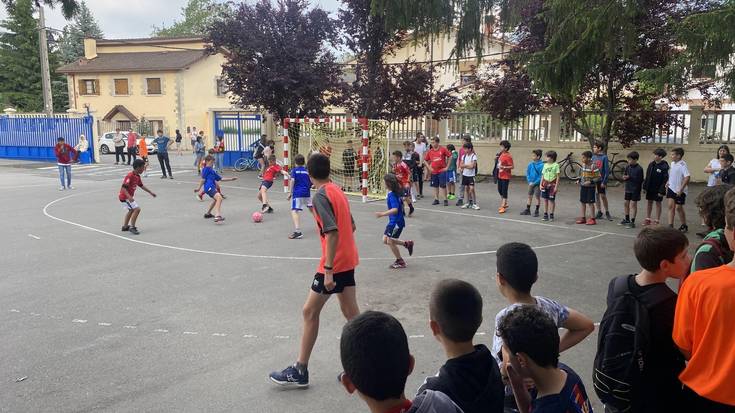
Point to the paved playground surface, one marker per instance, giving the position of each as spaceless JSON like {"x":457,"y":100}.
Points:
{"x":192,"y":316}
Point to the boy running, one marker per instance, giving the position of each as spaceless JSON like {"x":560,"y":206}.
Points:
{"x":468,"y":168}
{"x":633,"y":177}
{"x":603,"y":165}
{"x":403,"y":174}
{"x":209,"y":180}
{"x":657,"y":175}
{"x":131,"y":182}
{"x":268,"y":176}
{"x":589,"y":176}
{"x":533,"y":176}
{"x":299,"y":193}
{"x":505,"y":166}
{"x":336,"y":270}
{"x":396,"y":221}
{"x":550,"y":184}
{"x":677,"y":188}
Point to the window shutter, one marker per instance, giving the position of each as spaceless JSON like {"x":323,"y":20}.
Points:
{"x":82,"y":87}
{"x":96,"y":87}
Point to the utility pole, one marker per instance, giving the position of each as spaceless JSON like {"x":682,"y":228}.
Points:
{"x":48,"y":104}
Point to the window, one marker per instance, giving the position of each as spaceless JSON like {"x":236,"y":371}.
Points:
{"x":123,"y":125}
{"x":221,"y":87}
{"x":153,"y":86}
{"x":89,"y":87}
{"x":121,"y":87}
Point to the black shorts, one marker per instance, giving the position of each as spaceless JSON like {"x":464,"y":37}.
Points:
{"x":678,"y":200}
{"x":587,"y":194}
{"x":343,"y":279}
{"x":654,"y":196}
{"x":468,"y":180}
{"x":549,"y":192}
{"x":503,"y":187}
{"x":633,"y":196}
{"x":416,"y":174}
{"x":393,"y":231}
{"x":600,"y":189}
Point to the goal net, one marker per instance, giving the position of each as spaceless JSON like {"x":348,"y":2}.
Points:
{"x":358,"y":150}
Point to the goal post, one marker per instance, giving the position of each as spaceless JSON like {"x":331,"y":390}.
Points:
{"x":357,"y":148}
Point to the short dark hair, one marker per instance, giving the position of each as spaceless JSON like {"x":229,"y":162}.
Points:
{"x":398,"y":154}
{"x":527,"y":329}
{"x":655,"y":244}
{"x":599,"y":144}
{"x":505,"y":144}
{"x":456,"y":306}
{"x":711,"y":204}
{"x":467,"y":137}
{"x":59,"y":139}
{"x":552,"y":155}
{"x":468,"y":145}
{"x":159,"y":131}
{"x":587,"y":154}
{"x":138,"y":163}
{"x":538,"y":152}
{"x":678,"y":151}
{"x":208,"y":158}
{"x":728,"y":157}
{"x":299,"y":159}
{"x":271,"y":158}
{"x":436,"y":139}
{"x":450,"y":147}
{"x":660,"y":152}
{"x":518,"y":265}
{"x":634,"y":155}
{"x":318,"y":166}
{"x":373,"y":348}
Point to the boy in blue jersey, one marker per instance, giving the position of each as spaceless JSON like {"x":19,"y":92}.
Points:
{"x":209,"y":184}
{"x":299,"y":193}
{"x":533,"y":176}
{"x":603,"y":164}
{"x":396,"y":221}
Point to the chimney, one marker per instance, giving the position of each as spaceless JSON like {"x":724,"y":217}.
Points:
{"x":90,"y":48}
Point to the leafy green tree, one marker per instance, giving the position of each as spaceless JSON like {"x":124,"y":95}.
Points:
{"x":71,"y":44}
{"x":197,"y":17}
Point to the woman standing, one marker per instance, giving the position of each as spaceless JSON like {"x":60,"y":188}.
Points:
{"x":178,"y":141}
{"x":65,"y":155}
{"x":198,"y":153}
{"x":713,"y":167}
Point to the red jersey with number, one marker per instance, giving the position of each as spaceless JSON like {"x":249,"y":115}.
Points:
{"x":505,"y":159}
{"x":271,"y":171}
{"x":402,"y":173}
{"x":131,"y":182}
{"x":437,"y":158}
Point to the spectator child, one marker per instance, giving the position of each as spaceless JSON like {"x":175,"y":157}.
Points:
{"x":299,"y":193}
{"x":452,"y":172}
{"x":657,"y":175}
{"x":704,"y":334}
{"x":65,"y":156}
{"x":127,"y":192}
{"x":208,"y":183}
{"x":531,"y":351}
{"x":408,"y":159}
{"x":633,"y":177}
{"x":468,"y":169}
{"x":143,"y":151}
{"x":470,"y":377}
{"x":349,"y":160}
{"x":727,"y":173}
{"x":714,"y":250}
{"x":259,"y":156}
{"x":178,"y":140}
{"x":505,"y":166}
{"x":199,"y":154}
{"x":396,"y":221}
{"x":81,"y":147}
{"x":418,"y":173}
{"x":403,"y":174}
{"x":465,"y":139}
{"x":517,"y":271}
{"x":219,"y":154}
{"x":268,"y":176}
{"x":603,"y":165}
{"x":677,"y":188}
{"x":533,"y":177}
{"x":662,"y":253}
{"x":269,"y":150}
{"x":550,"y":184}
{"x":436,"y":163}
{"x":589,"y":176}
{"x":376,"y":360}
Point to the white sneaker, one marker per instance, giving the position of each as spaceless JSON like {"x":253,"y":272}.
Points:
{"x":475,"y":207}
{"x":61,"y":188}
{"x":465,"y":206}
{"x":71,"y":187}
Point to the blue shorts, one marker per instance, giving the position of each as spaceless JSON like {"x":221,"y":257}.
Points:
{"x":439,"y":180}
{"x":393,"y":231}
{"x":266,"y":184}
{"x":451,"y":177}
{"x":298,"y":204}
{"x":211,"y":191}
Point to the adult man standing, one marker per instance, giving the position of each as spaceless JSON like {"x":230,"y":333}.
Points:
{"x":436,"y":162}
{"x":132,"y":145}
{"x":118,"y":139}
{"x":162,"y":143}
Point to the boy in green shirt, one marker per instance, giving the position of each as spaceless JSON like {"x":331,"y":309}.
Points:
{"x":549,"y":184}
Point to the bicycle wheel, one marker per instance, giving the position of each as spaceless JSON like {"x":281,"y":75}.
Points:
{"x":572,"y":170}
{"x":618,"y":170}
{"x":240,"y":165}
{"x":251,"y":165}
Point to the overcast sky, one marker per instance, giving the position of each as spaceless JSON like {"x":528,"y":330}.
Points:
{"x":136,"y":18}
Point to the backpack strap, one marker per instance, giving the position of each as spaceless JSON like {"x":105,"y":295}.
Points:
{"x":649,"y":298}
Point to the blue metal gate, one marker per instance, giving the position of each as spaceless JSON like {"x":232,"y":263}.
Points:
{"x":241,"y":132}
{"x":33,"y":137}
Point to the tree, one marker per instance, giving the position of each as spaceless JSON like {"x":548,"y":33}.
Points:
{"x":197,"y":17}
{"x":68,"y":7}
{"x":278,"y":58}
{"x":71,"y":44}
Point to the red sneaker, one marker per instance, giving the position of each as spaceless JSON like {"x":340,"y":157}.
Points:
{"x":591,"y":221}
{"x":580,"y":220}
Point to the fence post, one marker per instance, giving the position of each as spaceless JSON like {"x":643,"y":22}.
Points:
{"x":443,"y":129}
{"x":695,"y":126}
{"x":555,"y":125}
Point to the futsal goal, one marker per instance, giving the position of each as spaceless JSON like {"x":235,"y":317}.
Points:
{"x":358,"y":149}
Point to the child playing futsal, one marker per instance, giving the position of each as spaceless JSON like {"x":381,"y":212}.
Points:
{"x":299,"y":193}
{"x":209,"y":183}
{"x":396,"y":223}
{"x":131,"y":182}
{"x":268,"y":177}
{"x":403,"y":174}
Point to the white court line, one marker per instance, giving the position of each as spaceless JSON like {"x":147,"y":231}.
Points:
{"x":34,"y":236}
{"x":231,"y":254}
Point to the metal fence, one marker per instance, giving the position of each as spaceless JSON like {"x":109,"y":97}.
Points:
{"x":718,"y":127}
{"x":33,"y":136}
{"x":240,"y":131}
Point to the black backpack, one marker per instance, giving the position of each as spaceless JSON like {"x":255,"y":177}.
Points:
{"x":623,"y":343}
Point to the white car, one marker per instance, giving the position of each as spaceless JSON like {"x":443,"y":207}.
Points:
{"x":108,"y":146}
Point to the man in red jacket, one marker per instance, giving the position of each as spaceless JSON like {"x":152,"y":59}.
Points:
{"x":65,"y":155}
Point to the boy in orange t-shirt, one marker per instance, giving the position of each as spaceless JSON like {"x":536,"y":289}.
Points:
{"x":505,"y":166}
{"x":143,"y":152}
{"x":703,"y":331}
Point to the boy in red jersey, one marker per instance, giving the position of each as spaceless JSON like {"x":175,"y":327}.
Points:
{"x":268,"y":176}
{"x":336,"y":271}
{"x":127,"y":191}
{"x":403,"y":173}
{"x":436,"y":159}
{"x":505,"y":166}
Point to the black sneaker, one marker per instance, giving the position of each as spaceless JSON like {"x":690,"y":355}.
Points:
{"x":270,"y":210}
{"x":599,"y":215}
{"x":535,"y":213}
{"x":608,"y":216}
{"x":625,"y":221}
{"x":410,"y":209}
{"x":546,"y":217}
{"x":551,"y":217}
{"x":170,"y":177}
{"x":208,"y":215}
{"x":134,"y":231}
{"x":526,"y":212}
{"x":163,"y":177}
{"x":683,"y":228}
{"x":296,"y":235}
{"x":460,"y":202}
{"x":630,"y":225}
{"x":699,"y":234}
{"x":125,"y":228}
{"x":436,"y":202}
{"x":291,"y":377}
{"x":446,"y":203}
{"x":409,"y":247}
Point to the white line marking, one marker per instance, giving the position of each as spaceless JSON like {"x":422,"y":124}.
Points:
{"x":13,"y":310}
{"x":34,"y":314}
{"x":480,"y":333}
{"x":219,"y":334}
{"x":104,"y":324}
{"x":34,"y":236}
{"x":416,"y":336}
{"x":48,"y":167}
{"x":130,"y":327}
{"x":160,"y":330}
{"x":190,"y":333}
{"x":76,"y":320}
{"x":280,"y":337}
{"x":249,"y":336}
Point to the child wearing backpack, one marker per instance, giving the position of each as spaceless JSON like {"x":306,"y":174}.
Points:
{"x":636,"y":370}
{"x":713,"y":251}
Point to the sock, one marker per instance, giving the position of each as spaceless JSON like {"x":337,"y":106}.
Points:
{"x":632,"y":220}
{"x":627,"y":217}
{"x":528,"y":207}
{"x":537,"y":208}
{"x":298,"y":230}
{"x":551,"y":215}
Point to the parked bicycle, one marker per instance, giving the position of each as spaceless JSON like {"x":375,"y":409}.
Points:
{"x":570,"y":168}
{"x":246,"y":164}
{"x":618,"y":168}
